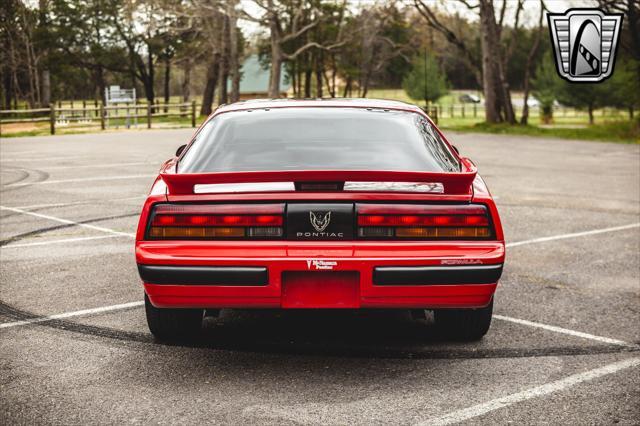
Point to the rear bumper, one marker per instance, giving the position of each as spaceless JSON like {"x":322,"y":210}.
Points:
{"x":243,"y":276}
{"x":271,"y":275}
{"x":437,"y":275}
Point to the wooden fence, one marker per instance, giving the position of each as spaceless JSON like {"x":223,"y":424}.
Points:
{"x":126,"y":115}
{"x":107,"y":116}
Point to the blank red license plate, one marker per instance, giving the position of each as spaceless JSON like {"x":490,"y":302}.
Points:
{"x":320,"y":289}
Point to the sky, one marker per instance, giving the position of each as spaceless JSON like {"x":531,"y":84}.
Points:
{"x":529,"y":16}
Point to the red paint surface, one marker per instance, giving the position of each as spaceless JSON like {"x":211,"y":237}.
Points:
{"x":320,"y":290}
{"x":291,"y":280}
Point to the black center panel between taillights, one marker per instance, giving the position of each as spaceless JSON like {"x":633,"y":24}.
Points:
{"x":320,"y":221}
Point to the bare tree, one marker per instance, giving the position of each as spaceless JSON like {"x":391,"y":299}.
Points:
{"x":495,"y":56}
{"x":215,"y":23}
{"x":529,"y":65}
{"x":280,"y":34}
{"x":234,"y":67}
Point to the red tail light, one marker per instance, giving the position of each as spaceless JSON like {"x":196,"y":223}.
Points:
{"x":212,"y":221}
{"x":377,"y":221}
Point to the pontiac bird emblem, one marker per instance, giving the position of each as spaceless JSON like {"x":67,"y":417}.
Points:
{"x":585,"y":43}
{"x":320,"y":221}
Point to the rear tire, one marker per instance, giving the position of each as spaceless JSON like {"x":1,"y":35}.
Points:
{"x":172,"y":324}
{"x":464,"y":324}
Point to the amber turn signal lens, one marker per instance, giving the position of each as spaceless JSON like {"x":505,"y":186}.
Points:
{"x":193,"y":232}
{"x":443,"y":232}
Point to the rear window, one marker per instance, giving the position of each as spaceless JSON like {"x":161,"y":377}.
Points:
{"x":318,"y":139}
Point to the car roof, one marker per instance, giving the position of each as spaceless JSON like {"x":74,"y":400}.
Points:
{"x":324,"y":102}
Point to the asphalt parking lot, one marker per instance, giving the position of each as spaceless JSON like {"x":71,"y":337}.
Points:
{"x":564,"y":346}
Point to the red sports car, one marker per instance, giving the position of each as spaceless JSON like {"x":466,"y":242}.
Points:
{"x":319,"y":204}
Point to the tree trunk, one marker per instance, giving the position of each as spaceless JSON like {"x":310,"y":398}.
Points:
{"x":365,"y":84}
{"x":319,"y":72}
{"x":46,"y":87}
{"x":223,"y":77}
{"x":223,"y":74}
{"x":527,"y":69}
{"x":186,"y":82}
{"x":591,"y":121}
{"x":210,"y":87}
{"x":307,"y":82}
{"x":334,"y":72}
{"x":234,"y":68}
{"x":347,"y":87}
{"x":149,"y":93}
{"x":100,"y":84}
{"x":274,"y":81}
{"x":294,"y":77}
{"x":167,"y":81}
{"x":489,"y":77}
{"x":148,"y":81}
{"x":509,"y":114}
{"x":276,"y":57}
{"x":7,"y":88}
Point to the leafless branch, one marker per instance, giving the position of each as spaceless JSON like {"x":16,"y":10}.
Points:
{"x":298,"y":33}
{"x":449,"y":35}
{"x":469,"y":5}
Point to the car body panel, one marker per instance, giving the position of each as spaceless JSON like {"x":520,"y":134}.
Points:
{"x":289,"y":262}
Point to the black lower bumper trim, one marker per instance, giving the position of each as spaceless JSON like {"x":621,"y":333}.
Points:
{"x":438,"y":275}
{"x":204,"y":275}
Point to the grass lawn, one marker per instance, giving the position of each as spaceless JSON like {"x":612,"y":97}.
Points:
{"x":618,"y":131}
{"x":611,"y":125}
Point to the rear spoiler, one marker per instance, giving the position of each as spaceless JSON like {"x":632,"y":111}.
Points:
{"x":452,"y":183}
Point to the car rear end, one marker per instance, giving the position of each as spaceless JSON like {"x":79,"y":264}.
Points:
{"x":297,"y":239}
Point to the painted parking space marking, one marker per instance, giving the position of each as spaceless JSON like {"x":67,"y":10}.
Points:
{"x":547,"y":327}
{"x":75,"y":203}
{"x":89,"y":179}
{"x":65,"y":315}
{"x":567,"y":331}
{"x":94,"y":166}
{"x":538,"y":391}
{"x":62,"y":241}
{"x":67,"y":221}
{"x":573,"y":235}
{"x":67,"y":157}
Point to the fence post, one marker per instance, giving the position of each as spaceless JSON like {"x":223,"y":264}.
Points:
{"x":101,"y":112}
{"x":52,"y":118}
{"x":148,"y":115}
{"x":84,"y":109}
{"x":193,"y":113}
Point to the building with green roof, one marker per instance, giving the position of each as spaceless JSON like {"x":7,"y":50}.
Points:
{"x":254,"y":80}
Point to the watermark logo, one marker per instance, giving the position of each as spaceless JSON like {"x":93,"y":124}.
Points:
{"x":585,"y":42}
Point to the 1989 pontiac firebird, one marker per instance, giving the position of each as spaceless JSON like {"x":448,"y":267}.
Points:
{"x":319,"y":204}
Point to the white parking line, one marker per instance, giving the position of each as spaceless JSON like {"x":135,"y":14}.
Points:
{"x":92,"y":166}
{"x":90,"y":179}
{"x":73,"y":314}
{"x":66,"y":240}
{"x":546,"y":389}
{"x":67,"y":157}
{"x":66,"y":221}
{"x":573,"y":235}
{"x":500,"y":317}
{"x":75,"y":203}
{"x":567,"y":331}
